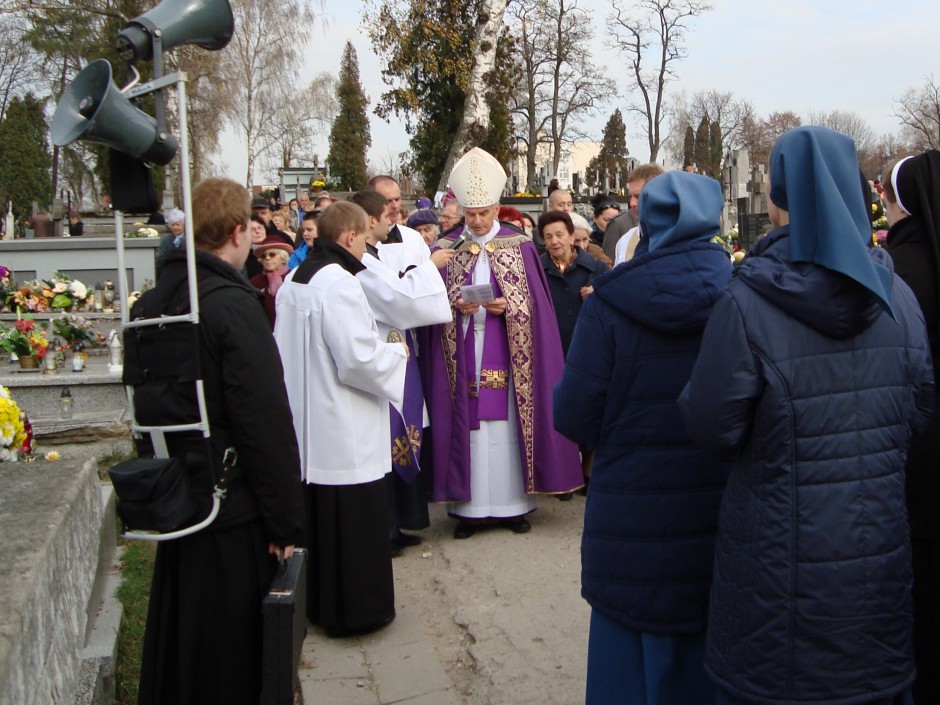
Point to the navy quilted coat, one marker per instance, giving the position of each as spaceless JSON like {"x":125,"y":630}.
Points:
{"x":652,"y":509}
{"x":818,"y":391}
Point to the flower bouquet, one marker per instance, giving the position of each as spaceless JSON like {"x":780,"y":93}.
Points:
{"x":12,"y":429}
{"x":60,"y":293}
{"x":75,"y":331}
{"x":7,"y":286}
{"x":143,"y":232}
{"x":25,"y":339}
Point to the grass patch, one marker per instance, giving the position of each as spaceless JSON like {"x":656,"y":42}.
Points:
{"x":106,"y":462}
{"x":134,"y":594}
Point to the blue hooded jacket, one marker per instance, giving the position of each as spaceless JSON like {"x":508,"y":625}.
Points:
{"x":815,"y":387}
{"x":652,"y":508}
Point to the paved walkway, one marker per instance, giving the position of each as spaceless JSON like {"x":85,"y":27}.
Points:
{"x":496,"y":619}
{"x":396,"y":665}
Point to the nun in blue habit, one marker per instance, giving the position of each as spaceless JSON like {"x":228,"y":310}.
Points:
{"x":814,"y":373}
{"x":652,"y":508}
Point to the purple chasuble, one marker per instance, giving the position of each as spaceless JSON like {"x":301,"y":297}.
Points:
{"x":550,"y":462}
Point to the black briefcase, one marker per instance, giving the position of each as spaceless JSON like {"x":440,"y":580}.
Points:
{"x":284,"y":626}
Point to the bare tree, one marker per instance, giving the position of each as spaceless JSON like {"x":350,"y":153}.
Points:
{"x":718,"y":107}
{"x":207,"y":100}
{"x":889,"y":148}
{"x":91,"y":7}
{"x":848,"y":123}
{"x":652,"y":29}
{"x":77,"y":176}
{"x":303,"y":115}
{"x":758,"y":136}
{"x":562,"y":82}
{"x":264,"y":54}
{"x":19,"y":64}
{"x":475,"y":122}
{"x":855,"y":126}
{"x":918,"y":109}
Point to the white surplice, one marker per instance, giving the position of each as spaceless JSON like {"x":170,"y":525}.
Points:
{"x":340,"y":377}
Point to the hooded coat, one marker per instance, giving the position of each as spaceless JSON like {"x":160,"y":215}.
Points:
{"x":652,"y":509}
{"x":806,"y":376}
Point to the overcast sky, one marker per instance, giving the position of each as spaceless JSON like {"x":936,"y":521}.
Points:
{"x":802,"y":55}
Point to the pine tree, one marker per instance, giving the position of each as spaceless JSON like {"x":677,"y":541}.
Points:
{"x":602,"y":170}
{"x":715,"y":150}
{"x":349,"y":136}
{"x":24,"y":154}
{"x":688,"y":147}
{"x":702,"y":151}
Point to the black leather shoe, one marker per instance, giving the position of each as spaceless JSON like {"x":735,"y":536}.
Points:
{"x":403,"y":540}
{"x":464,"y":530}
{"x":521,"y":526}
{"x":565,"y":496}
{"x":394,"y":549}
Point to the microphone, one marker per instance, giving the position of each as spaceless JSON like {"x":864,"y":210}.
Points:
{"x":461,"y":239}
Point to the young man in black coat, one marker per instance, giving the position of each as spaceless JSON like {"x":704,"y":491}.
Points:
{"x":203,"y":638}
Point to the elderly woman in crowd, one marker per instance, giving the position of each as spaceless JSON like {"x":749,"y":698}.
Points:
{"x":568,"y":269}
{"x":426,"y":222}
{"x":582,"y":239}
{"x":912,"y":203}
{"x":173,"y":240}
{"x":652,"y":509}
{"x":814,"y":372}
{"x":273,"y":254}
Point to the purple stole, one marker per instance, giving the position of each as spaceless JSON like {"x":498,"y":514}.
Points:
{"x":408,"y":426}
{"x":488,"y":399}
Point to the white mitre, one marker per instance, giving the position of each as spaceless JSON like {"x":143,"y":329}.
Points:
{"x":477,"y":179}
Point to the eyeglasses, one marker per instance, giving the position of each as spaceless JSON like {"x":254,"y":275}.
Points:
{"x":607,"y":204}
{"x":268,"y":255}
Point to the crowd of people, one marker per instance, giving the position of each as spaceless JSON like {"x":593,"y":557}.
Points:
{"x":755,"y":439}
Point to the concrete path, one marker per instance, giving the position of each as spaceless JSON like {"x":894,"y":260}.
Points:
{"x":496,"y":619}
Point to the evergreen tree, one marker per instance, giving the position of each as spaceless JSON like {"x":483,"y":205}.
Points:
{"x":714,"y":151}
{"x":24,"y":154}
{"x":602,"y":170}
{"x":349,"y":136}
{"x":702,"y":151}
{"x":688,"y":147}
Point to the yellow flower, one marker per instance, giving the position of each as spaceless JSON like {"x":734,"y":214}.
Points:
{"x":52,"y":455}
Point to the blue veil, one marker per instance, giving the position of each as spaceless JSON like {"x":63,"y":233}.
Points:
{"x":814,"y":177}
{"x":678,"y":207}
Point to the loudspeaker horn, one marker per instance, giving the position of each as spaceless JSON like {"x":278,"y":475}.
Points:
{"x":206,"y":23}
{"x":92,"y":109}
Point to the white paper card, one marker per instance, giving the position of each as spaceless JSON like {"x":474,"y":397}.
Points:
{"x":477,"y":293}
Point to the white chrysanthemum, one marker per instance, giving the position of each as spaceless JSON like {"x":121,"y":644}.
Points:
{"x":79,"y":289}
{"x":4,"y":392}
{"x":59,"y":287}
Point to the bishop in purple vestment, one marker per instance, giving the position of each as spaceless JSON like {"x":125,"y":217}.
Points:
{"x":488,"y":374}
